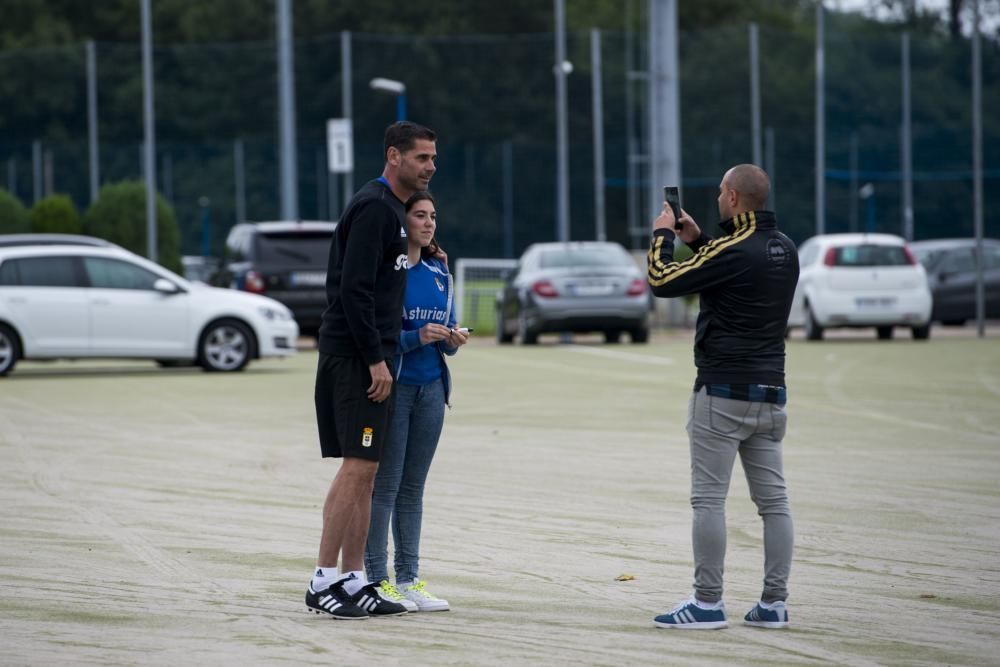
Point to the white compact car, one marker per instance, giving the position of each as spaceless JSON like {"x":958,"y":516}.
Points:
{"x":860,"y":280}
{"x":68,"y":302}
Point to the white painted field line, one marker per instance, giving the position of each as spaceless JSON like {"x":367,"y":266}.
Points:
{"x":832,"y":385}
{"x":991,"y":383}
{"x":644,"y":359}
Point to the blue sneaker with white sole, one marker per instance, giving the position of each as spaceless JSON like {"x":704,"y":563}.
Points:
{"x":689,"y":616}
{"x":761,"y":617}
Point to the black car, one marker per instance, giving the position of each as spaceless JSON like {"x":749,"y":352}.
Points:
{"x":951,"y":273}
{"x":283,"y":260}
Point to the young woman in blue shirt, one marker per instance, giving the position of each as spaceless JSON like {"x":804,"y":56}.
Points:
{"x":429,"y":334}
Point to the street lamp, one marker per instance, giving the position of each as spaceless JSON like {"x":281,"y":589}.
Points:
{"x":393,"y":87}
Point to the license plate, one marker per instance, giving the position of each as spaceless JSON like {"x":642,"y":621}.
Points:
{"x":307,"y":279}
{"x":875,"y":303}
{"x":592,"y":290}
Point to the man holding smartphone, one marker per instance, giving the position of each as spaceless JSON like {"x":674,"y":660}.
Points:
{"x":746,"y":279}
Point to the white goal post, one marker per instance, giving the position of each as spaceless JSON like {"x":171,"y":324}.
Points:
{"x":477,"y":281}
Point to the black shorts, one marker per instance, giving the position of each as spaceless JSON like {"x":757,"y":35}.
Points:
{"x":350,"y":424}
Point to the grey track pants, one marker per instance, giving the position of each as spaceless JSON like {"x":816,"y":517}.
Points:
{"x":718,"y":429}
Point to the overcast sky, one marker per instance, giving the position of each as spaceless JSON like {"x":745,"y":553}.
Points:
{"x":990,"y":21}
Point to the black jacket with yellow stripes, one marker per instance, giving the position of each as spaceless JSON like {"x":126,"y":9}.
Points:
{"x":746,"y":280}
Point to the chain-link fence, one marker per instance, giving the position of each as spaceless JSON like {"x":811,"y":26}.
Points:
{"x":491,"y":99}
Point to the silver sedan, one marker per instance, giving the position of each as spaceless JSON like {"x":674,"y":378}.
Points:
{"x":574,"y":287}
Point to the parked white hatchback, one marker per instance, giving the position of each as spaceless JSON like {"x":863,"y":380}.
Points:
{"x":860,"y":280}
{"x":68,"y":302}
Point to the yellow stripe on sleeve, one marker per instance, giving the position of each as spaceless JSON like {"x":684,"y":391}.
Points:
{"x":661,"y":274}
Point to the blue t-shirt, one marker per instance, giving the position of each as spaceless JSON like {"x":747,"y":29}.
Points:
{"x":426,"y":301}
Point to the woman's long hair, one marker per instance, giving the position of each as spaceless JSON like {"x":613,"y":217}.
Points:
{"x":421,"y":195}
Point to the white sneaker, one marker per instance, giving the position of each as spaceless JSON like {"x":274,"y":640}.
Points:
{"x":389,"y":592}
{"x":417,"y":593}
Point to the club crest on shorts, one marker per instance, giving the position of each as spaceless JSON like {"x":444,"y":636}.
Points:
{"x":366,"y":437}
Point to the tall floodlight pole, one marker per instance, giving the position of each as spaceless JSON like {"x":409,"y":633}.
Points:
{"x":37,"y":176}
{"x":239,"y":180}
{"x":92,"y":147}
{"x":758,"y":151}
{"x":346,"y":101}
{"x":820,"y":124}
{"x":664,"y":102}
{"x":597,"y":90}
{"x":149,"y":131}
{"x":286,"y":113}
{"x":852,"y":212}
{"x":977,"y":167}
{"x":771,"y":168}
{"x":907,"y":141}
{"x":562,"y":132}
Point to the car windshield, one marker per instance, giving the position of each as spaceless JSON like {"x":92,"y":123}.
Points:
{"x":299,"y":247}
{"x":566,"y":257}
{"x":927,"y":256}
{"x":870,"y":255}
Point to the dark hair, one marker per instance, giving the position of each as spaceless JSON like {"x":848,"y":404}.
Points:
{"x":403,"y":134}
{"x":421,"y":195}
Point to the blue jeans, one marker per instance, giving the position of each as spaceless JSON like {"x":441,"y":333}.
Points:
{"x":399,"y":484}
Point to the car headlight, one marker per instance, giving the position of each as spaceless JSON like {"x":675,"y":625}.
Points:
{"x":272,"y":313}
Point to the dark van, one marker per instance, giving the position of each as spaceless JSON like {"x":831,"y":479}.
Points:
{"x":283,"y":260}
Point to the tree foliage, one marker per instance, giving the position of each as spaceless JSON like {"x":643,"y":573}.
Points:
{"x":480,"y":72}
{"x":55,"y":214}
{"x":13,"y":215}
{"x":119,"y":215}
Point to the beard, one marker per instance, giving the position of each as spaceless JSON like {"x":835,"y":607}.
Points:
{"x":414,"y":182}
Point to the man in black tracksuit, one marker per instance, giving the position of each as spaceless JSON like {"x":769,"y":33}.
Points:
{"x":365,"y":283}
{"x":746,"y":280}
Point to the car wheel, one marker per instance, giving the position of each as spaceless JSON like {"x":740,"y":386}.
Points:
{"x":528,"y":336}
{"x":10,"y":349}
{"x":225,"y":346}
{"x":922,"y":333}
{"x":612,"y":337}
{"x":503,"y":338}
{"x":884,"y":333}
{"x":813,"y":330}
{"x":640,"y":335}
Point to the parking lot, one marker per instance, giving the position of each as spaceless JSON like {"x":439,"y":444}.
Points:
{"x":170,"y":516}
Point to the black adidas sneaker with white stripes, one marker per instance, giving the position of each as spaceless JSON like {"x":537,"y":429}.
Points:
{"x":334,"y":601}
{"x":370,"y":600}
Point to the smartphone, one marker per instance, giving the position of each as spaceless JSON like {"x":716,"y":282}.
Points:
{"x":672,"y":195}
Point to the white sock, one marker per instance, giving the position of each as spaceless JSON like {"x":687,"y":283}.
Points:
{"x":708,"y":606}
{"x":323,"y":577}
{"x":354,"y":581}
{"x":771,"y":605}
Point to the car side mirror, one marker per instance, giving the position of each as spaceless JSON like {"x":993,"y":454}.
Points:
{"x":164,"y":286}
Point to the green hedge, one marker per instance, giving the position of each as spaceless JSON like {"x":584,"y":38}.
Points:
{"x":13,"y":216}
{"x":119,"y":215}
{"x":55,"y":214}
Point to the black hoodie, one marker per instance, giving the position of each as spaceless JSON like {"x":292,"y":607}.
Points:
{"x":366,"y":277}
